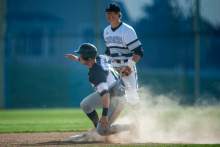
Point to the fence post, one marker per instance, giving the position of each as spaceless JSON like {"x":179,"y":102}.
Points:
{"x":2,"y":31}
{"x":197,"y":46}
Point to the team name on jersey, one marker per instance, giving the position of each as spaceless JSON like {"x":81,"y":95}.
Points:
{"x":114,"y":39}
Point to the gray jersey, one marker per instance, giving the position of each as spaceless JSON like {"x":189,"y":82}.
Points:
{"x":102,"y":75}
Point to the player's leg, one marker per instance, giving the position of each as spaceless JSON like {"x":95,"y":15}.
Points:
{"x":131,"y":84}
{"x":116,"y":106}
{"x":117,"y":101}
{"x":89,"y":104}
{"x":133,"y":100}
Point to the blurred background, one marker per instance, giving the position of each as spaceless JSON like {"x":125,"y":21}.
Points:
{"x":181,"y":41}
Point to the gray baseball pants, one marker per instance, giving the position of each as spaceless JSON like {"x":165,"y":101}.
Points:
{"x":94,"y":100}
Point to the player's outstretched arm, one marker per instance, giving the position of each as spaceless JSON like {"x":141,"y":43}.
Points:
{"x":72,"y":57}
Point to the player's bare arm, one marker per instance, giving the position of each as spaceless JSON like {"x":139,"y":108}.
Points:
{"x":106,"y":103}
{"x":72,"y":57}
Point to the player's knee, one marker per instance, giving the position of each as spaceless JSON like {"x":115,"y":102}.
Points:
{"x":85,"y":107}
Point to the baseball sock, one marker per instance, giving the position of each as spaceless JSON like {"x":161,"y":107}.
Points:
{"x":93,"y":117}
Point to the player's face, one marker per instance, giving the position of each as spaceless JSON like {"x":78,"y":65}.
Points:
{"x":112,"y":16}
{"x":82,"y":61}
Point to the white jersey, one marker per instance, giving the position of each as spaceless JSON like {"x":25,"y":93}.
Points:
{"x":121,"y":43}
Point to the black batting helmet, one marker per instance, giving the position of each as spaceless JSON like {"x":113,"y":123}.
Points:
{"x":87,"y":51}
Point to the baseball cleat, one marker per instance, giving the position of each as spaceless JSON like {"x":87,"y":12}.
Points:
{"x":90,"y":136}
{"x":77,"y":138}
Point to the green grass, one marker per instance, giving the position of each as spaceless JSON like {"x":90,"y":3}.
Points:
{"x":55,"y":120}
{"x":43,"y":120}
{"x":60,"y":120}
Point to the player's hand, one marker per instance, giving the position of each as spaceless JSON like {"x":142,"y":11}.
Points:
{"x":104,"y":121}
{"x":72,"y":57}
{"x":136,"y":58}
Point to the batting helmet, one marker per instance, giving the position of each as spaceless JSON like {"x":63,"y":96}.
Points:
{"x":87,"y":51}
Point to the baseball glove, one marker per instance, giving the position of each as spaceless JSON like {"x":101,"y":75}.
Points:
{"x":125,"y":71}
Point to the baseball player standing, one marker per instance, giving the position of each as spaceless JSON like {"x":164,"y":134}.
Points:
{"x":109,"y":89}
{"x":124,"y":49}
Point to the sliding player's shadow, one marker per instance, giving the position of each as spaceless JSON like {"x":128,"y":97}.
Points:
{"x":63,"y":143}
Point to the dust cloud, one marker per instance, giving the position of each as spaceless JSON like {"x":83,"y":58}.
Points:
{"x":160,"y":119}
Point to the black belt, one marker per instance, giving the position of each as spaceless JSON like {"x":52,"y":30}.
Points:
{"x":124,"y":55}
{"x":121,"y":61}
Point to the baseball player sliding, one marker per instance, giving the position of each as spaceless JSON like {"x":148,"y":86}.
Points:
{"x":111,"y":81}
{"x":124,"y":49}
{"x":109,"y":90}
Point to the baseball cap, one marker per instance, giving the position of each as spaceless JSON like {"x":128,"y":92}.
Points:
{"x":87,"y":50}
{"x":113,"y":7}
